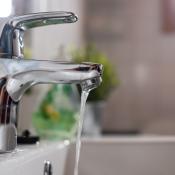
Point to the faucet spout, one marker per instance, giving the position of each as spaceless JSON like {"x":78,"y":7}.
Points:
{"x":22,"y":74}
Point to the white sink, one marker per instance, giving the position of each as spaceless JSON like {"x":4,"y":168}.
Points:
{"x":102,"y":156}
{"x":29,"y":160}
{"x":144,"y":155}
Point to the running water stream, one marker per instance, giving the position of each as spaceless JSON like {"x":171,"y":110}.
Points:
{"x":86,"y":87}
{"x":84,"y":96}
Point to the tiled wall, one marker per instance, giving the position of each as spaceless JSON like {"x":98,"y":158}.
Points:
{"x":130,"y":33}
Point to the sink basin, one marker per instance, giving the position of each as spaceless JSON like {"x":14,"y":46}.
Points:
{"x":99,"y":156}
{"x":141,"y":155}
{"x":29,"y":160}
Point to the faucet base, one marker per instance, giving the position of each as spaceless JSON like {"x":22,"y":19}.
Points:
{"x":8,"y":138}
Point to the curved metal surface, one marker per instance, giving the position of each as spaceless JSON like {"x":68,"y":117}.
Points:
{"x":17,"y":75}
{"x":8,"y":136}
{"x":11,"y":41}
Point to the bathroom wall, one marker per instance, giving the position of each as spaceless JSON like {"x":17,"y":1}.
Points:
{"x":130,"y":33}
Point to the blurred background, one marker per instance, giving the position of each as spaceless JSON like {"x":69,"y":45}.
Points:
{"x":138,"y":39}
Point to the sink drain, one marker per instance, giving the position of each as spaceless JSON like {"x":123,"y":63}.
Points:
{"x":47,"y":168}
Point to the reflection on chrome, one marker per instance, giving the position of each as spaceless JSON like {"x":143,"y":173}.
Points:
{"x":18,"y":74}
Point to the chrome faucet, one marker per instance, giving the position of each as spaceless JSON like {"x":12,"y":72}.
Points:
{"x":18,"y":74}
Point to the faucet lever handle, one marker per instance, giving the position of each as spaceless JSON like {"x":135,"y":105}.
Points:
{"x":11,"y":41}
{"x":42,"y":19}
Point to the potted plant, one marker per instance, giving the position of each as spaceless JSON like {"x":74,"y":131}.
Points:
{"x":98,"y":96}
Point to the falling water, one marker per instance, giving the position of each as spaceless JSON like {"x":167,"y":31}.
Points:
{"x":86,"y":86}
{"x":84,"y":96}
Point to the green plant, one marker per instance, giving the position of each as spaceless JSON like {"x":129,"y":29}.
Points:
{"x":110,"y":80}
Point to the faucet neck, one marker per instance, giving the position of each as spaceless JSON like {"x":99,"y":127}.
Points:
{"x":6,"y":46}
{"x":7,"y":110}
